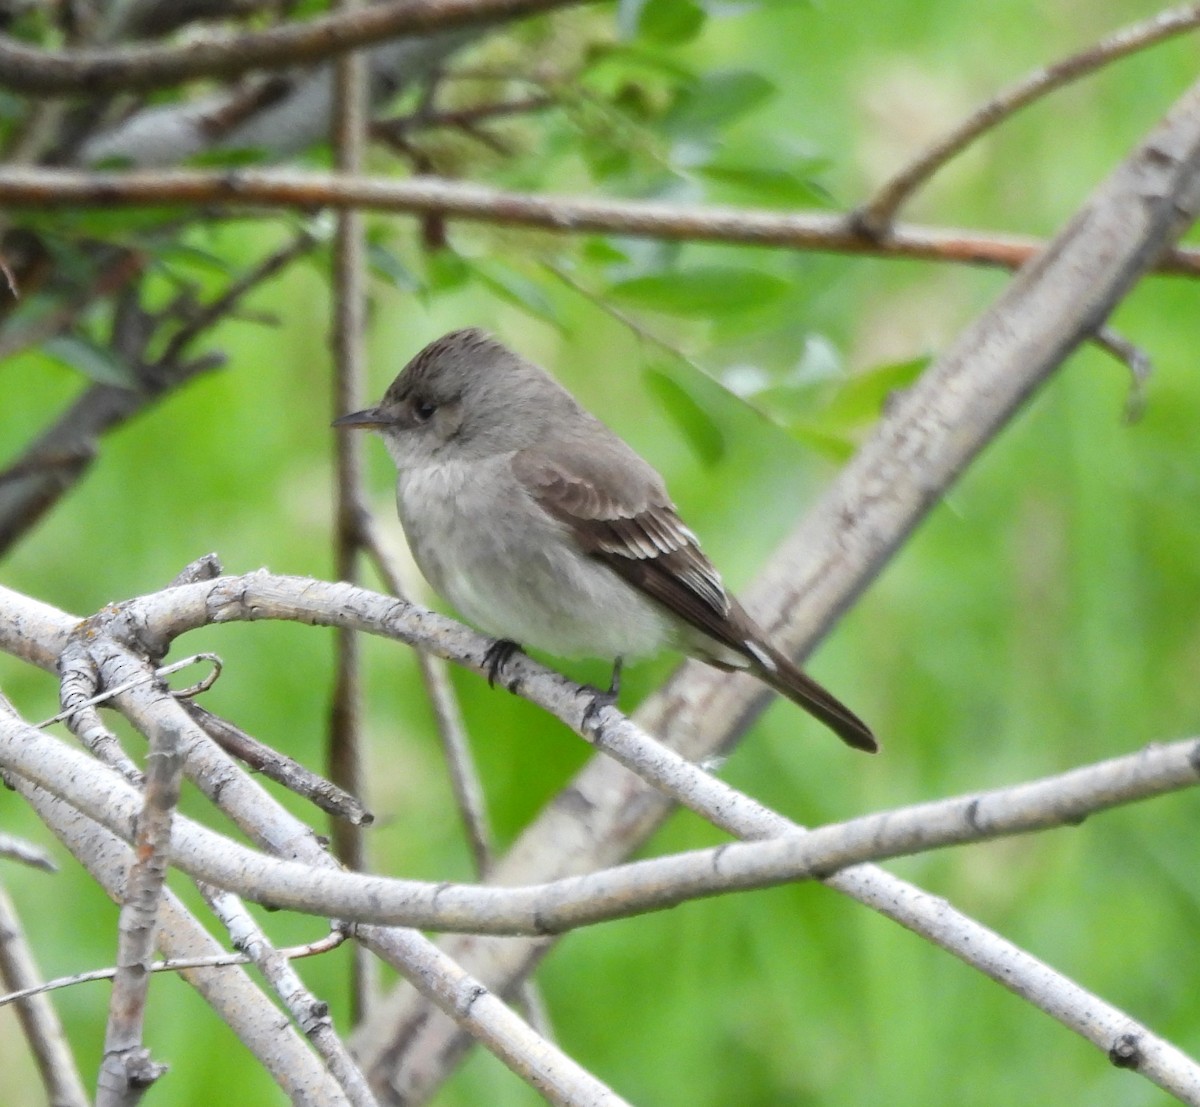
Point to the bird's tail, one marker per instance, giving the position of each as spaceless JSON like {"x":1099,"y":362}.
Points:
{"x":772,"y":667}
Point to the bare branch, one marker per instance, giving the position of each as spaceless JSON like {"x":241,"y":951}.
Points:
{"x":308,"y":1012}
{"x":1136,"y":360}
{"x":345,"y":754}
{"x":17,"y":849}
{"x":213,"y":961}
{"x":780,"y":852}
{"x":876,"y":214}
{"x":280,"y":768}
{"x":39,"y":1020}
{"x":126,"y":1071}
{"x":32,"y":72}
{"x":35,"y":758}
{"x":464,"y":998}
{"x":464,"y":776}
{"x":278,"y":188}
{"x":236,"y":1000}
{"x":62,"y":454}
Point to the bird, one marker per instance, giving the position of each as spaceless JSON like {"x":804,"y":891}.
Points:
{"x":544,"y":528}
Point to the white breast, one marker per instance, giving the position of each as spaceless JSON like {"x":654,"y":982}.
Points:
{"x":514,"y":571}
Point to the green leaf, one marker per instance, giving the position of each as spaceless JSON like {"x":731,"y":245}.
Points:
{"x":862,"y":397}
{"x":769,"y":184}
{"x":698,"y":427}
{"x":717,"y":99}
{"x":235,"y":158}
{"x":618,"y":62}
{"x":703,"y":292}
{"x":182,"y":255}
{"x":601,"y":251}
{"x":604,"y":159}
{"x":838,"y":448}
{"x":444,"y":269}
{"x":93,"y":361}
{"x":517,"y":289}
{"x":383,"y":262}
{"x":671,"y":22}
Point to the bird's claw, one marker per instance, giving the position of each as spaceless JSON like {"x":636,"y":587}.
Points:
{"x":602,"y":698}
{"x":496,"y":656}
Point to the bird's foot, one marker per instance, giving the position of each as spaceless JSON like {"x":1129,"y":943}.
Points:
{"x":497,"y":655}
{"x":601,"y":698}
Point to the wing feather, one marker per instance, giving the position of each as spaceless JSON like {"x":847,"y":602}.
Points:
{"x":638,"y":534}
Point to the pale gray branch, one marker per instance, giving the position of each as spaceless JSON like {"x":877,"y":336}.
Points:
{"x":161,"y":616}
{"x":629,"y":889}
{"x":39,"y":1020}
{"x":126,"y":1071}
{"x":308,"y":1012}
{"x":463,"y":997}
{"x":236,"y":1000}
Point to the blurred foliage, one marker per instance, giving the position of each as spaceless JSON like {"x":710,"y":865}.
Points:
{"x":1043,"y":616}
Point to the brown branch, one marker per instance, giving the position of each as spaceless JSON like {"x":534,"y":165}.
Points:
{"x":114,"y":274}
{"x":58,"y":459}
{"x":395,"y":131}
{"x":32,"y":72}
{"x":876,"y":214}
{"x":47,"y":188}
{"x":350,"y":112}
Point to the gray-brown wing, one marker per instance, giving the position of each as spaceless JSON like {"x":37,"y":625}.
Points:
{"x":618,"y":511}
{"x":626,"y":520}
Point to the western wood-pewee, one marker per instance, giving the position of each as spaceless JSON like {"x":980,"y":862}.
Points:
{"x":543,"y":527}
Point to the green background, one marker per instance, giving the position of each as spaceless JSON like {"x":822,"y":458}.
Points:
{"x":1043,"y":616}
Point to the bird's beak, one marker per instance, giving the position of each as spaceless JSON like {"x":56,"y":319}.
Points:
{"x":371,"y":417}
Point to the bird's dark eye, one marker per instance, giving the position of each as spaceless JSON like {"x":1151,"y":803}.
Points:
{"x":423,"y":409}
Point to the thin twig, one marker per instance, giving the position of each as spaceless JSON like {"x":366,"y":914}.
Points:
{"x":126,"y":1070}
{"x":33,"y":72}
{"x":345,"y":755}
{"x":876,"y":215}
{"x":241,"y":189}
{"x":165,"y":670}
{"x":17,"y":849}
{"x":179,"y":964}
{"x":78,"y":681}
{"x":460,"y":762}
{"x":308,"y":1012}
{"x":212,"y":313}
{"x":1136,"y":360}
{"x":396,"y":131}
{"x":284,"y":770}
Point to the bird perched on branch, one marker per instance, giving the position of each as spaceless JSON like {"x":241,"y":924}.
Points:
{"x":544,"y":528}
